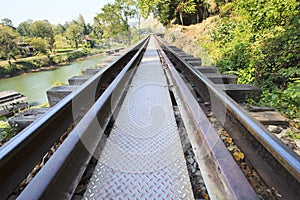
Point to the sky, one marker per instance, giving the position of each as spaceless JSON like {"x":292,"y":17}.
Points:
{"x":55,"y":11}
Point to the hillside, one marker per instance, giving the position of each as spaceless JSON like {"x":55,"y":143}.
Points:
{"x":189,"y":38}
{"x":258,"y":42}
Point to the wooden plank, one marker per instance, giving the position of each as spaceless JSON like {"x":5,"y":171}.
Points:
{"x":270,"y":118}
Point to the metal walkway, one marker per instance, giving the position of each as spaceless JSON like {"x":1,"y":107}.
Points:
{"x":143,"y":157}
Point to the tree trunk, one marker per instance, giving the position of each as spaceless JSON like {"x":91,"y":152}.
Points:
{"x":139,"y":27}
{"x":181,"y":17}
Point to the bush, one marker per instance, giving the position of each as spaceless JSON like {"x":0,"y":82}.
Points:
{"x":259,"y":41}
{"x":41,"y":61}
{"x":224,"y":32}
{"x":6,"y":131}
{"x":286,"y":101}
{"x":39,"y":44}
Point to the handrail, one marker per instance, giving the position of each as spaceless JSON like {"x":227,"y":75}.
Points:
{"x":19,"y":155}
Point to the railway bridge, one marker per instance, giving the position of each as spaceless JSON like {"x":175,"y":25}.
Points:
{"x":146,"y":126}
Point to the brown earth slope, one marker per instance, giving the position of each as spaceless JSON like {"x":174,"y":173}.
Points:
{"x":189,"y":38}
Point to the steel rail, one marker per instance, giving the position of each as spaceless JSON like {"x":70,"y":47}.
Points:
{"x":60,"y":176}
{"x":222,"y":176}
{"x":277,"y":164}
{"x":24,"y":151}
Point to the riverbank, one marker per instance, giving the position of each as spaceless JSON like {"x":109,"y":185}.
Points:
{"x":42,"y":63}
{"x":34,"y":85}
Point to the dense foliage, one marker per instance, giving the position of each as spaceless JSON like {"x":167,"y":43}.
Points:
{"x":183,"y":12}
{"x":8,"y":38}
{"x":113,"y":20}
{"x":44,"y":41}
{"x":259,"y":40}
{"x":6,"y":131}
{"x":32,"y":38}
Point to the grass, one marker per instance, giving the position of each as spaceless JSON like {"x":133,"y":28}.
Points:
{"x":35,"y":62}
{"x":6,"y":131}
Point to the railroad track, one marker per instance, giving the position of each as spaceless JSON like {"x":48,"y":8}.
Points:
{"x":129,"y":117}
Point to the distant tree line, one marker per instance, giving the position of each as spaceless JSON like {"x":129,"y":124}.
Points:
{"x":184,"y":12}
{"x":35,"y":37}
{"x":111,"y":24}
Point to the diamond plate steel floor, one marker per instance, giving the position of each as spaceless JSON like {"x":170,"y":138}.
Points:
{"x":143,"y":157}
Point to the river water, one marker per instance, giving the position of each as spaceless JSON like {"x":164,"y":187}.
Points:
{"x":34,"y":85}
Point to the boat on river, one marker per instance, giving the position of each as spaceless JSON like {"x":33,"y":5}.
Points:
{"x":12,"y":102}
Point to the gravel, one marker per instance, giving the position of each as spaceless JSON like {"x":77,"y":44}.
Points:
{"x":290,"y":136}
{"x":250,"y":173}
{"x":274,"y":129}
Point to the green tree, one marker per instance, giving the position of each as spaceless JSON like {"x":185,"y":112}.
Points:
{"x":97,"y":29}
{"x":146,"y":7}
{"x":265,"y":14}
{"x":61,"y":42}
{"x":184,"y":11}
{"x":166,"y":11}
{"x":8,"y":39}
{"x":24,"y":28}
{"x":259,"y":41}
{"x":7,"y":22}
{"x":89,"y":28}
{"x":81,"y":23}
{"x":74,"y":33}
{"x":43,"y":29}
{"x":59,"y":29}
{"x":112,"y":21}
{"x":186,"y":6}
{"x":40,"y":44}
{"x":129,"y":9}
{"x":138,"y":15}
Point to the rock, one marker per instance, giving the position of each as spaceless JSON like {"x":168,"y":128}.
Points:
{"x":297,"y":152}
{"x":185,"y":142}
{"x":198,"y":173}
{"x":195,"y":165}
{"x":285,"y":132}
{"x":190,"y":153}
{"x":190,"y":160}
{"x":295,"y":130}
{"x":296,"y":120}
{"x":297,"y":143}
{"x":203,"y":188}
{"x":12,"y":197}
{"x":282,"y":134}
{"x":77,"y":197}
{"x":291,"y":144}
{"x":274,"y":129}
{"x":193,"y":170}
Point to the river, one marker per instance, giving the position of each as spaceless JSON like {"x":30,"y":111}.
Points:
{"x":34,"y":85}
